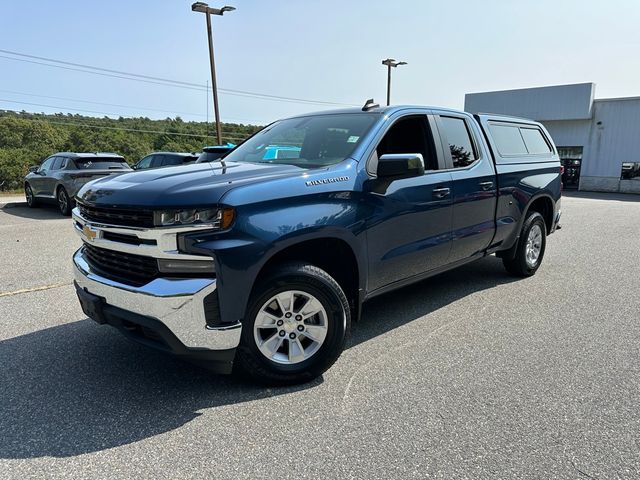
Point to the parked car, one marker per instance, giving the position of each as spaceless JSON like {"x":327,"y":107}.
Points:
{"x":267,"y":263}
{"x":165,"y":159}
{"x":216,"y":152}
{"x":59,"y":177}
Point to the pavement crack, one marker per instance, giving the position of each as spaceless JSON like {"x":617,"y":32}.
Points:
{"x":33,"y":289}
{"x":585,"y":474}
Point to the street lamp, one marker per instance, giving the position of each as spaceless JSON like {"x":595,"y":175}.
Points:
{"x":390,"y":62}
{"x":208,"y":11}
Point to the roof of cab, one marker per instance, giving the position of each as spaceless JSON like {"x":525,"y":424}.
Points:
{"x":385,"y":110}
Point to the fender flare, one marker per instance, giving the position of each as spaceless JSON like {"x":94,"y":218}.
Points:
{"x":510,"y":252}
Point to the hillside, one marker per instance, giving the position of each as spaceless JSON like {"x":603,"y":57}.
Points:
{"x":27,"y":138}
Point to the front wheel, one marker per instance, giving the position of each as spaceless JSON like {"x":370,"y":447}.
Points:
{"x":531,"y":246}
{"x":297,"y":323}
{"x":64,"y":202}
{"x":31,"y":199}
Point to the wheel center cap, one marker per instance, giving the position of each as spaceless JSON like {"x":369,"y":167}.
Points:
{"x":289,"y":324}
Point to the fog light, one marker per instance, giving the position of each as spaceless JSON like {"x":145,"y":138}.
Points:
{"x":186,"y":266}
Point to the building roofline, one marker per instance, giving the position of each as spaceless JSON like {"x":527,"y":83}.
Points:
{"x":616,"y":99}
{"x":531,"y":88}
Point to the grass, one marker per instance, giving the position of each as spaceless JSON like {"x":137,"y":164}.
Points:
{"x":11,"y":193}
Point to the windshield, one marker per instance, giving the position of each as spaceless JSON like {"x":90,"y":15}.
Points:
{"x":307,"y":142}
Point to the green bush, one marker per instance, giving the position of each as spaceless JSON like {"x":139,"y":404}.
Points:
{"x":26,"y":139}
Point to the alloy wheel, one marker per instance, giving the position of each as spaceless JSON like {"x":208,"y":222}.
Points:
{"x":534,"y":246}
{"x":29,"y":194}
{"x":290,"y":327}
{"x":62,"y":201}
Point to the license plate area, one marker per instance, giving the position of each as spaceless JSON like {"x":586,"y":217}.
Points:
{"x":92,"y":305}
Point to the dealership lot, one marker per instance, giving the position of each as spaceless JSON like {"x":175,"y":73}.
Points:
{"x":471,"y":374}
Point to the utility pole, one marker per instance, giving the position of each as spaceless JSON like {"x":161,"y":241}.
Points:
{"x":390,"y":62}
{"x":208,"y":11}
{"x":207,"y":110}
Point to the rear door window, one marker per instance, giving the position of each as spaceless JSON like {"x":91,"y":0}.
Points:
{"x":508,"y":139}
{"x":156,"y":161}
{"x":169,"y":160}
{"x":456,"y":134}
{"x":534,"y":141}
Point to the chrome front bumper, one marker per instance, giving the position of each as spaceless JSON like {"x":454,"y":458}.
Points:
{"x":176,"y":303}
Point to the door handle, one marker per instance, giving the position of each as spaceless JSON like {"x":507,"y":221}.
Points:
{"x":441,"y":192}
{"x":486,"y":185}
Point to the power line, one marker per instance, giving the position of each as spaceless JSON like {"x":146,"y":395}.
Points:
{"x":249,"y":95}
{"x":165,"y":81}
{"x":132,"y":107}
{"x":159,"y":132}
{"x":66,"y":108}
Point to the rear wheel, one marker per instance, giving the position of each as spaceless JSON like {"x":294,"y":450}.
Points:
{"x":64,"y":202}
{"x":31,"y":199}
{"x":297,"y":323}
{"x":531,"y":246}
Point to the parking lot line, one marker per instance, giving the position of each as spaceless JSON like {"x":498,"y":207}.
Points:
{"x":34,"y":289}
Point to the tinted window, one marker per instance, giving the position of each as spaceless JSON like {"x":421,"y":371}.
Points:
{"x":57,"y":163}
{"x":145,"y":162}
{"x":322,"y":139}
{"x":508,"y":139}
{"x":168,"y":160}
{"x":211,"y":156}
{"x":534,"y":141}
{"x":409,"y":135}
{"x":99,"y":163}
{"x":46,"y":165}
{"x":457,"y":136}
{"x":156,"y":161}
{"x":174,"y":160}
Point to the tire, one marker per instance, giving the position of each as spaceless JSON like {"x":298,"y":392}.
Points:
{"x":533,"y":237}
{"x":64,"y":202}
{"x":267,"y":353}
{"x":31,"y":199}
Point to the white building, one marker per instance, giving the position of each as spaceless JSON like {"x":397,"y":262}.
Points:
{"x":598,"y":139}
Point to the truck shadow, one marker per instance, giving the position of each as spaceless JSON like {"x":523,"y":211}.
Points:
{"x":78,"y":388}
{"x":42,"y":212}
{"x":386,"y":312}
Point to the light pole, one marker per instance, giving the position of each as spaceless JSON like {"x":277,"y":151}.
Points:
{"x":208,"y":11}
{"x":390,"y":62}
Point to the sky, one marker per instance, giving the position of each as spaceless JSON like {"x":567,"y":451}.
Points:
{"x":324,"y":51}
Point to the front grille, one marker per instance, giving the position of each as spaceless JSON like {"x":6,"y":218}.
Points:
{"x":123,"y":267}
{"x":117,"y":216}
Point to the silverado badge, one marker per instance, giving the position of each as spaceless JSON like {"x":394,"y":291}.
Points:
{"x":324,"y":181}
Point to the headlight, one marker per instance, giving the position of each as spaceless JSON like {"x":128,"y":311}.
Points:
{"x":220,"y":218}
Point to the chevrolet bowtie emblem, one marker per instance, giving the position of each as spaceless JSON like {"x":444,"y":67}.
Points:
{"x":89,"y":233}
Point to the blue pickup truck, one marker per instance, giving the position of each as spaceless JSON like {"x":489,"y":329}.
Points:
{"x":262,"y":263}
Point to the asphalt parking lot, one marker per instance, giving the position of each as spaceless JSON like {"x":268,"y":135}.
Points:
{"x":471,"y":374}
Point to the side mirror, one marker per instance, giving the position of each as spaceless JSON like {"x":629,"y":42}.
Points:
{"x":400,"y":165}
{"x":33,"y":169}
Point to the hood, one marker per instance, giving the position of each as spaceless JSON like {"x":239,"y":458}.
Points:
{"x":182,"y":186}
